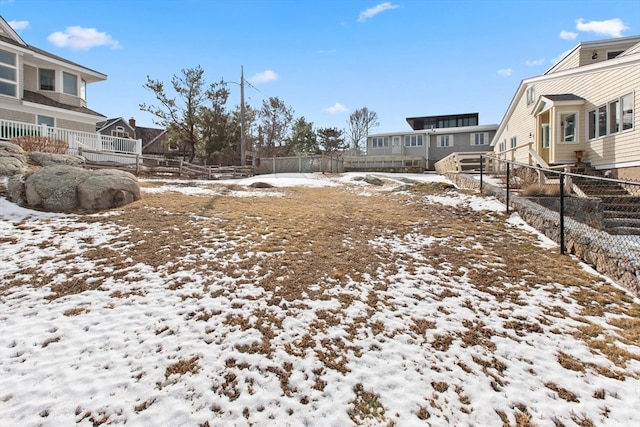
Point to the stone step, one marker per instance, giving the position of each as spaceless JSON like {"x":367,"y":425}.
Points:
{"x":624,"y":231}
{"x":621,"y":214}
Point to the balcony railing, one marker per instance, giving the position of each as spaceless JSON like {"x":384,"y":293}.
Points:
{"x":77,"y":140}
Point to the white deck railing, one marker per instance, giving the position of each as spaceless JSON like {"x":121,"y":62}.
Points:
{"x":77,"y":140}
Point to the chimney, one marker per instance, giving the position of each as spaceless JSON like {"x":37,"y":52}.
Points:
{"x":132,"y":123}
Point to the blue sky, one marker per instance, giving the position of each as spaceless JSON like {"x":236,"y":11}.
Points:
{"x":401,"y":58}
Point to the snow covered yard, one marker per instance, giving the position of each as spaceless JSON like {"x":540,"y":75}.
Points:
{"x":322,"y":301}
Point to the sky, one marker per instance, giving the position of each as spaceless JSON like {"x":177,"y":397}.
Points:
{"x":111,"y":355}
{"x":324,"y":59}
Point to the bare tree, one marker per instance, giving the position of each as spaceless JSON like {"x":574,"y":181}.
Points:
{"x":361,"y":121}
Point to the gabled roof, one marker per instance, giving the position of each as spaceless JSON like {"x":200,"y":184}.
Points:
{"x":37,"y":98}
{"x":8,"y":32}
{"x":9,"y":36}
{"x":149,"y":135}
{"x":548,"y":101}
{"x":110,"y":122}
{"x":630,"y":57}
{"x":622,"y":42}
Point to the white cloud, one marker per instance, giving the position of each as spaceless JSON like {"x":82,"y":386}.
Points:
{"x":568,"y":35}
{"x":535,"y":62}
{"x":373,"y":11}
{"x":505,"y":72}
{"x":611,"y":27}
{"x":18,"y":25}
{"x":336,"y":108}
{"x":264,"y":77}
{"x":80,"y":38}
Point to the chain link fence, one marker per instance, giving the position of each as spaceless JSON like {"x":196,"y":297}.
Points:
{"x":588,"y":214}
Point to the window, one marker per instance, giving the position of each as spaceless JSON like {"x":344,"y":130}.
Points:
{"x":568,"y":127}
{"x":379,"y":142}
{"x":613,"y":117}
{"x":627,"y":111}
{"x":445,"y":141}
{"x":514,"y":142}
{"x":602,"y":120}
{"x":8,"y":73}
{"x":44,"y":120}
{"x":531,"y":95}
{"x":119,"y":132}
{"x":70,"y":84}
{"x":503,"y":145}
{"x":546,"y":140}
{"x":47,"y":79}
{"x":479,"y":138}
{"x":413,"y":140}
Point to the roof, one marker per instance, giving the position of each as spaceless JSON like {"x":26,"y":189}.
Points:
{"x":564,"y":97}
{"x":9,"y":36}
{"x":38,"y":98}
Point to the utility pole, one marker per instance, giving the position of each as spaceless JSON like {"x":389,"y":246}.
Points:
{"x":243,"y":139}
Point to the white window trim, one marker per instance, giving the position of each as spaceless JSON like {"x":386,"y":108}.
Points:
{"x":576,"y":127}
{"x":449,"y":140}
{"x":63,"y":85}
{"x":14,"y":67}
{"x":485,"y":140}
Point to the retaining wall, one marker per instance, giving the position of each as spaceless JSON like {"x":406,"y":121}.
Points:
{"x":596,"y":248}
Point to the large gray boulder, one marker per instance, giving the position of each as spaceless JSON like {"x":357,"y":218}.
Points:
{"x":13,"y":160}
{"x":51,"y":159}
{"x":68,"y":189}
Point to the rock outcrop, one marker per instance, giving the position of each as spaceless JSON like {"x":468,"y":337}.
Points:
{"x":58,"y":183}
{"x":13,"y":159}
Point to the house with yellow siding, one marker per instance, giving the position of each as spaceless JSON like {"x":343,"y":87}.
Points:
{"x":584,"y":108}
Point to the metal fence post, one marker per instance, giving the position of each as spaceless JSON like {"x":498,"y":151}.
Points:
{"x":481,"y":170}
{"x":562,"y":248}
{"x":508,"y":180}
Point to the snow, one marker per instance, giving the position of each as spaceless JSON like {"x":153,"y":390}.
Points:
{"x":111,"y":361}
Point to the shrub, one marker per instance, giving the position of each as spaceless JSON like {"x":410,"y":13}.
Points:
{"x":42,"y":144}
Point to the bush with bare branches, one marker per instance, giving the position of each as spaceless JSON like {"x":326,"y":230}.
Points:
{"x":42,"y":144}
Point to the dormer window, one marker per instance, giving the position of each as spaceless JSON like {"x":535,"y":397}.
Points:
{"x":119,"y":132}
{"x":47,"y":79}
{"x":70,"y":84}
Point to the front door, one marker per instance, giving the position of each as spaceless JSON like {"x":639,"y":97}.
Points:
{"x":545,"y":142}
{"x":396,"y":146}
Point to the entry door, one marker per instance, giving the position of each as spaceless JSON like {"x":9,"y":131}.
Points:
{"x":545,"y":142}
{"x":396,"y":146}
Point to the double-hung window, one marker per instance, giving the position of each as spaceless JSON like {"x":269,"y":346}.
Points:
{"x":413,"y":140}
{"x":514,"y":142}
{"x":445,"y":140}
{"x":8,"y":73}
{"x":479,"y":138}
{"x":70,"y":84}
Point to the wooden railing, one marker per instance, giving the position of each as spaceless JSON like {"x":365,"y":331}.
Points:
{"x":459,"y":162}
{"x":103,"y":146}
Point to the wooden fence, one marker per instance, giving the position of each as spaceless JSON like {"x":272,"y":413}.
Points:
{"x":143,"y":165}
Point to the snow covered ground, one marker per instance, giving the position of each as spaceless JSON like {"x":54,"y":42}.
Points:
{"x":187,"y":346}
